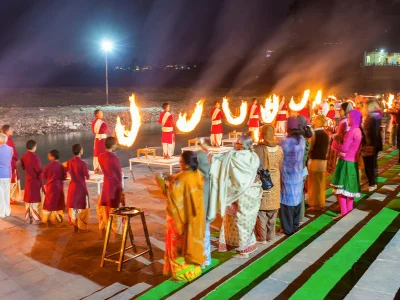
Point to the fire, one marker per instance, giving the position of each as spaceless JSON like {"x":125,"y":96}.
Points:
{"x":299,"y":106}
{"x":185,"y":125}
{"x":270,"y":110}
{"x":125,"y":137}
{"x":390,"y":101}
{"x":231,"y":119}
{"x":318,"y":99}
{"x":332,"y":97}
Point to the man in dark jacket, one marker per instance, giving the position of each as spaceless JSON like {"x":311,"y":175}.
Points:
{"x":374,"y":143}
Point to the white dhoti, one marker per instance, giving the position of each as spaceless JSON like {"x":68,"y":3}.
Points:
{"x":216,"y":139}
{"x":5,"y":207}
{"x":168,"y":149}
{"x":15,"y":192}
{"x":103,"y":215}
{"x":79,"y":217}
{"x":33,"y":211}
{"x":280,"y":127}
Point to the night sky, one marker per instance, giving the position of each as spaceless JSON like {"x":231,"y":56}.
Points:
{"x":152,"y":30}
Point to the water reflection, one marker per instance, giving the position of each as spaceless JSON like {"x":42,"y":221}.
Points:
{"x":149,"y":135}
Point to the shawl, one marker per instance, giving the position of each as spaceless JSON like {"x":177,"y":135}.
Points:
{"x":236,"y":170}
{"x":186,"y":207}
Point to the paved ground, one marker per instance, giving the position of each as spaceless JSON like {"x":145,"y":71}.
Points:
{"x":354,"y":258}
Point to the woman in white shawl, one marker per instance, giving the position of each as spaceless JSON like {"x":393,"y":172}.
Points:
{"x":236,"y":192}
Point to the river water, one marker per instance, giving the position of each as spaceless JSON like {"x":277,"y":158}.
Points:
{"x":149,"y":136}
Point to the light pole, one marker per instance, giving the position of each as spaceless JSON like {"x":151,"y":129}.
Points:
{"x":107,"y":47}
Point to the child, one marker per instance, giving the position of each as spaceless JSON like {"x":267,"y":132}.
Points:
{"x":112,"y":192}
{"x":78,"y":196}
{"x":30,"y":162}
{"x":331,"y":113}
{"x":54,"y":202}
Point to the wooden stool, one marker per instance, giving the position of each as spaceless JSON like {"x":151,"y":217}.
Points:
{"x":126,"y":213}
{"x":193,"y":141}
{"x":146,"y":151}
{"x":234,"y":134}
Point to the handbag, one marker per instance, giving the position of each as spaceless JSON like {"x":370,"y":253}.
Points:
{"x":265,"y":176}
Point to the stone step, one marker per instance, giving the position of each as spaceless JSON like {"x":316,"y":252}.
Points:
{"x":107,"y":292}
{"x":277,"y":282}
{"x":132,"y":291}
{"x":385,"y":284}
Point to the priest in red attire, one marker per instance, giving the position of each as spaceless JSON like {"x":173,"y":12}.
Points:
{"x":217,"y":130}
{"x":30,"y":162}
{"x":78,"y":196}
{"x":254,"y":117}
{"x":281,"y":117}
{"x":15,"y":187}
{"x":99,"y":128}
{"x":112,"y":195}
{"x":168,"y":137}
{"x":54,"y":175}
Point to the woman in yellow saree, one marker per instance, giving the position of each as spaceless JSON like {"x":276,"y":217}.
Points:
{"x":184,"y":251}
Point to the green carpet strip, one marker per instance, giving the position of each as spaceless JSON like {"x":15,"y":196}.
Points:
{"x":322,"y":281}
{"x":256,"y":269}
{"x":169,"y":286}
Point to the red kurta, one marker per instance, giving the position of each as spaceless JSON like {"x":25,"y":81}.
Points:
{"x":216,"y":116}
{"x":112,"y":186}
{"x":54,"y":174}
{"x":331,"y":114}
{"x":167,"y":122}
{"x":254,"y":114}
{"x":77,"y":190}
{"x":14,"y":161}
{"x":305,"y":112}
{"x":99,"y":127}
{"x":30,"y":162}
{"x":282,"y":113}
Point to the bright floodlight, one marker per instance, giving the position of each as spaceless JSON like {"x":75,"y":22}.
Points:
{"x":107,"y":46}
{"x":382,"y":50}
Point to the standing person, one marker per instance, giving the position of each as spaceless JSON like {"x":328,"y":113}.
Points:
{"x":184,"y":248}
{"x":112,"y":195}
{"x":331,"y":113}
{"x":217,"y":130}
{"x":319,"y":144}
{"x":6,"y":156}
{"x":254,"y":117}
{"x":345,"y":180}
{"x":393,"y":125}
{"x":99,"y":128}
{"x":204,"y":167}
{"x":78,"y":195}
{"x":325,"y":107}
{"x":281,"y":117}
{"x":236,"y":191}
{"x":15,"y":187}
{"x":271,"y":156}
{"x":168,"y":137}
{"x":341,"y":130}
{"x":292,"y":178}
{"x":30,"y":162}
{"x":54,"y":201}
{"x":372,"y":129}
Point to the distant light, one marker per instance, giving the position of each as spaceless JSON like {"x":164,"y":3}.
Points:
{"x":382,"y":50}
{"x":107,"y":46}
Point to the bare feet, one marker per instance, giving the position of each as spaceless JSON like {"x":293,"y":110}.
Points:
{"x":338,"y":217}
{"x":262,"y":242}
{"x":240,"y":255}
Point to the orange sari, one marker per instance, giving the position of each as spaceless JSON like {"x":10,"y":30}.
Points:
{"x":184,"y":251}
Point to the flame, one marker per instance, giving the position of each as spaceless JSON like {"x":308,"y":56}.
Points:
{"x":318,"y":99}
{"x":231,"y":119}
{"x":270,"y":110}
{"x":352,"y":103}
{"x":332,"y":97}
{"x":125,"y":137}
{"x":299,"y":106}
{"x":185,"y":125}
{"x":390,"y":101}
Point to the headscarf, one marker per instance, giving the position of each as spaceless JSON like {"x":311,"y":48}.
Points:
{"x":320,"y":121}
{"x":267,"y":136}
{"x":355,"y":118}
